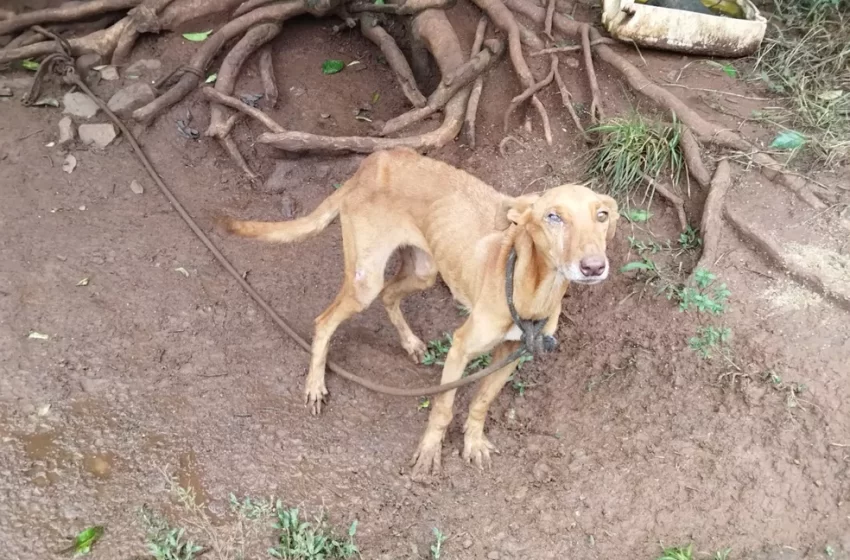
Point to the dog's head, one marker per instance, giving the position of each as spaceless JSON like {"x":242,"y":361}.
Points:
{"x":570,"y":226}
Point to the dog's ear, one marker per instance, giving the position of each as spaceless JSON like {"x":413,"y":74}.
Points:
{"x":613,"y":215}
{"x":512,"y":210}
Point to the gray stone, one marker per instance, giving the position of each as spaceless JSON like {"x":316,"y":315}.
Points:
{"x":101,"y":135}
{"x":128,"y":99}
{"x":146,"y":67}
{"x":136,"y":187}
{"x":79,"y":105}
{"x":66,"y":131}
{"x":109,"y":73}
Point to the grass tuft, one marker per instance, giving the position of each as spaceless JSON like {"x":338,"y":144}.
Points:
{"x":302,"y":540}
{"x":630,"y":147}
{"x":806,"y":57}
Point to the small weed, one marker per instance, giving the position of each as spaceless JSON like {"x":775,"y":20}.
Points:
{"x":518,"y":385}
{"x":423,"y":404}
{"x":705,"y":295}
{"x":436,"y":548}
{"x":722,"y":554}
{"x":689,"y":239}
{"x":709,"y":339}
{"x":631,"y":147}
{"x":677,"y":553}
{"x":646,"y":247}
{"x":438,"y":349}
{"x":165,"y":542}
{"x":792,"y":389}
{"x":462,"y":310}
{"x":829,"y":551}
{"x":302,"y":540}
{"x":251,"y":509}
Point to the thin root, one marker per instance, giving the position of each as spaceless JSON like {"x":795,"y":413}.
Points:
{"x":712,"y":214}
{"x":395,"y":58}
{"x":477,"y":87}
{"x":671,"y":197}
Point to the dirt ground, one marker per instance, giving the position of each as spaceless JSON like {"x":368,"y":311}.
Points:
{"x":622,"y":441}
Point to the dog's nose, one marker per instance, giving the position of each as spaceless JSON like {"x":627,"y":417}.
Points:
{"x":592,"y":266}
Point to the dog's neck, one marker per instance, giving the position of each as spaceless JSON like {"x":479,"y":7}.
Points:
{"x":538,"y":287}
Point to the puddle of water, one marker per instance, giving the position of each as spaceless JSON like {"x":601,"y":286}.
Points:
{"x":99,"y":465}
{"x":40,"y":446}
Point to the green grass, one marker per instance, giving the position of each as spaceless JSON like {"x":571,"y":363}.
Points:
{"x":704,"y":295}
{"x":805,"y":57}
{"x":303,"y":540}
{"x":710,"y":339}
{"x":630,"y":147}
{"x":687,"y":553}
{"x":438,"y":349}
{"x":165,"y":542}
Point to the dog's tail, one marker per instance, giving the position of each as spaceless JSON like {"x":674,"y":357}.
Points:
{"x":292,"y":230}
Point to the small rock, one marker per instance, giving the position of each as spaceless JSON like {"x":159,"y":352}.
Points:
{"x":5,"y":91}
{"x":297,"y":91}
{"x":128,"y":99}
{"x":494,"y":555}
{"x":86,"y":62}
{"x":541,"y":472}
{"x":571,"y":62}
{"x":144,"y":67}
{"x":69,"y":164}
{"x":109,"y":73}
{"x":80,"y":105}
{"x":467,"y":542}
{"x":101,"y":135}
{"x":288,"y":207}
{"x":66,"y":130}
{"x":136,"y":187}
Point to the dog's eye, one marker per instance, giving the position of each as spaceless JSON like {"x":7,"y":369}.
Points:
{"x":601,"y":216}
{"x":553,"y":218}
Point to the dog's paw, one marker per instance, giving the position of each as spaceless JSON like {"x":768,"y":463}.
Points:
{"x":426,"y":461}
{"x":477,"y":449}
{"x":314,"y":396}
{"x":416,"y":349}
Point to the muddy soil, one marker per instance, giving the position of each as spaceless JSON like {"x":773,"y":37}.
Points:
{"x":623,"y":441}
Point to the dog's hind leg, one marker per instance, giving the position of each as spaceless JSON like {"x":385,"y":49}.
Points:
{"x":417,"y":272}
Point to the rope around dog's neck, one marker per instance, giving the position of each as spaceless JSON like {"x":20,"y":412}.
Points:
{"x":63,"y":63}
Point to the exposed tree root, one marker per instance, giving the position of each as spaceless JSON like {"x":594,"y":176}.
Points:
{"x":190,"y":79}
{"x":449,"y":86}
{"x":67,"y":12}
{"x":521,"y":98}
{"x":395,"y":58}
{"x":712,"y":215}
{"x":671,"y":197}
{"x":567,"y":100}
{"x":505,"y":20}
{"x":693,"y":158}
{"x":477,"y":87}
{"x":596,"y":113}
{"x":547,"y":25}
{"x":266,"y":66}
{"x":704,"y":130}
{"x":250,"y":6}
{"x":254,"y":39}
{"x":403,"y":8}
{"x":436,"y":33}
{"x":143,"y":19}
{"x":101,"y":42}
{"x":774,"y":254}
{"x":572,"y":48}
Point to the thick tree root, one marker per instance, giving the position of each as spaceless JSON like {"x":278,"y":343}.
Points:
{"x":266,"y":66}
{"x":712,"y":215}
{"x":102,"y":42}
{"x":477,"y":87}
{"x":671,"y":197}
{"x":521,"y":98}
{"x":143,"y":19}
{"x":704,"y":130}
{"x":254,"y":39}
{"x":449,"y":86}
{"x":596,"y":113}
{"x":693,"y":158}
{"x":403,"y":8}
{"x":250,"y":6}
{"x":505,"y":20}
{"x":190,"y":79}
{"x":395,"y":58}
{"x":64,"y":13}
{"x":774,"y":254}
{"x":567,"y":100}
{"x":436,"y":33}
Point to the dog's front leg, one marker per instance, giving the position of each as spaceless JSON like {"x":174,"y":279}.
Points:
{"x":471,"y":339}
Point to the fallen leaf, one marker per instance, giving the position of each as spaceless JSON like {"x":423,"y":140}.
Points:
{"x":84,"y":541}
{"x":788,"y":140}
{"x":197,"y":37}
{"x":636,"y":265}
{"x":637,"y":215}
{"x":424,"y":403}
{"x":211,"y":78}
{"x":69,"y":164}
{"x":379,"y":2}
{"x":43,"y":410}
{"x":182,"y":271}
{"x":30,"y":64}
{"x":831,"y":95}
{"x":46,"y":102}
{"x":83,"y":282}
{"x":375,"y":97}
{"x":332,"y":66}
{"x":37,"y":336}
{"x":354,"y":63}
{"x":337,"y":185}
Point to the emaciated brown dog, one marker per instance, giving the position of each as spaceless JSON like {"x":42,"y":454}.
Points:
{"x":443,"y":220}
